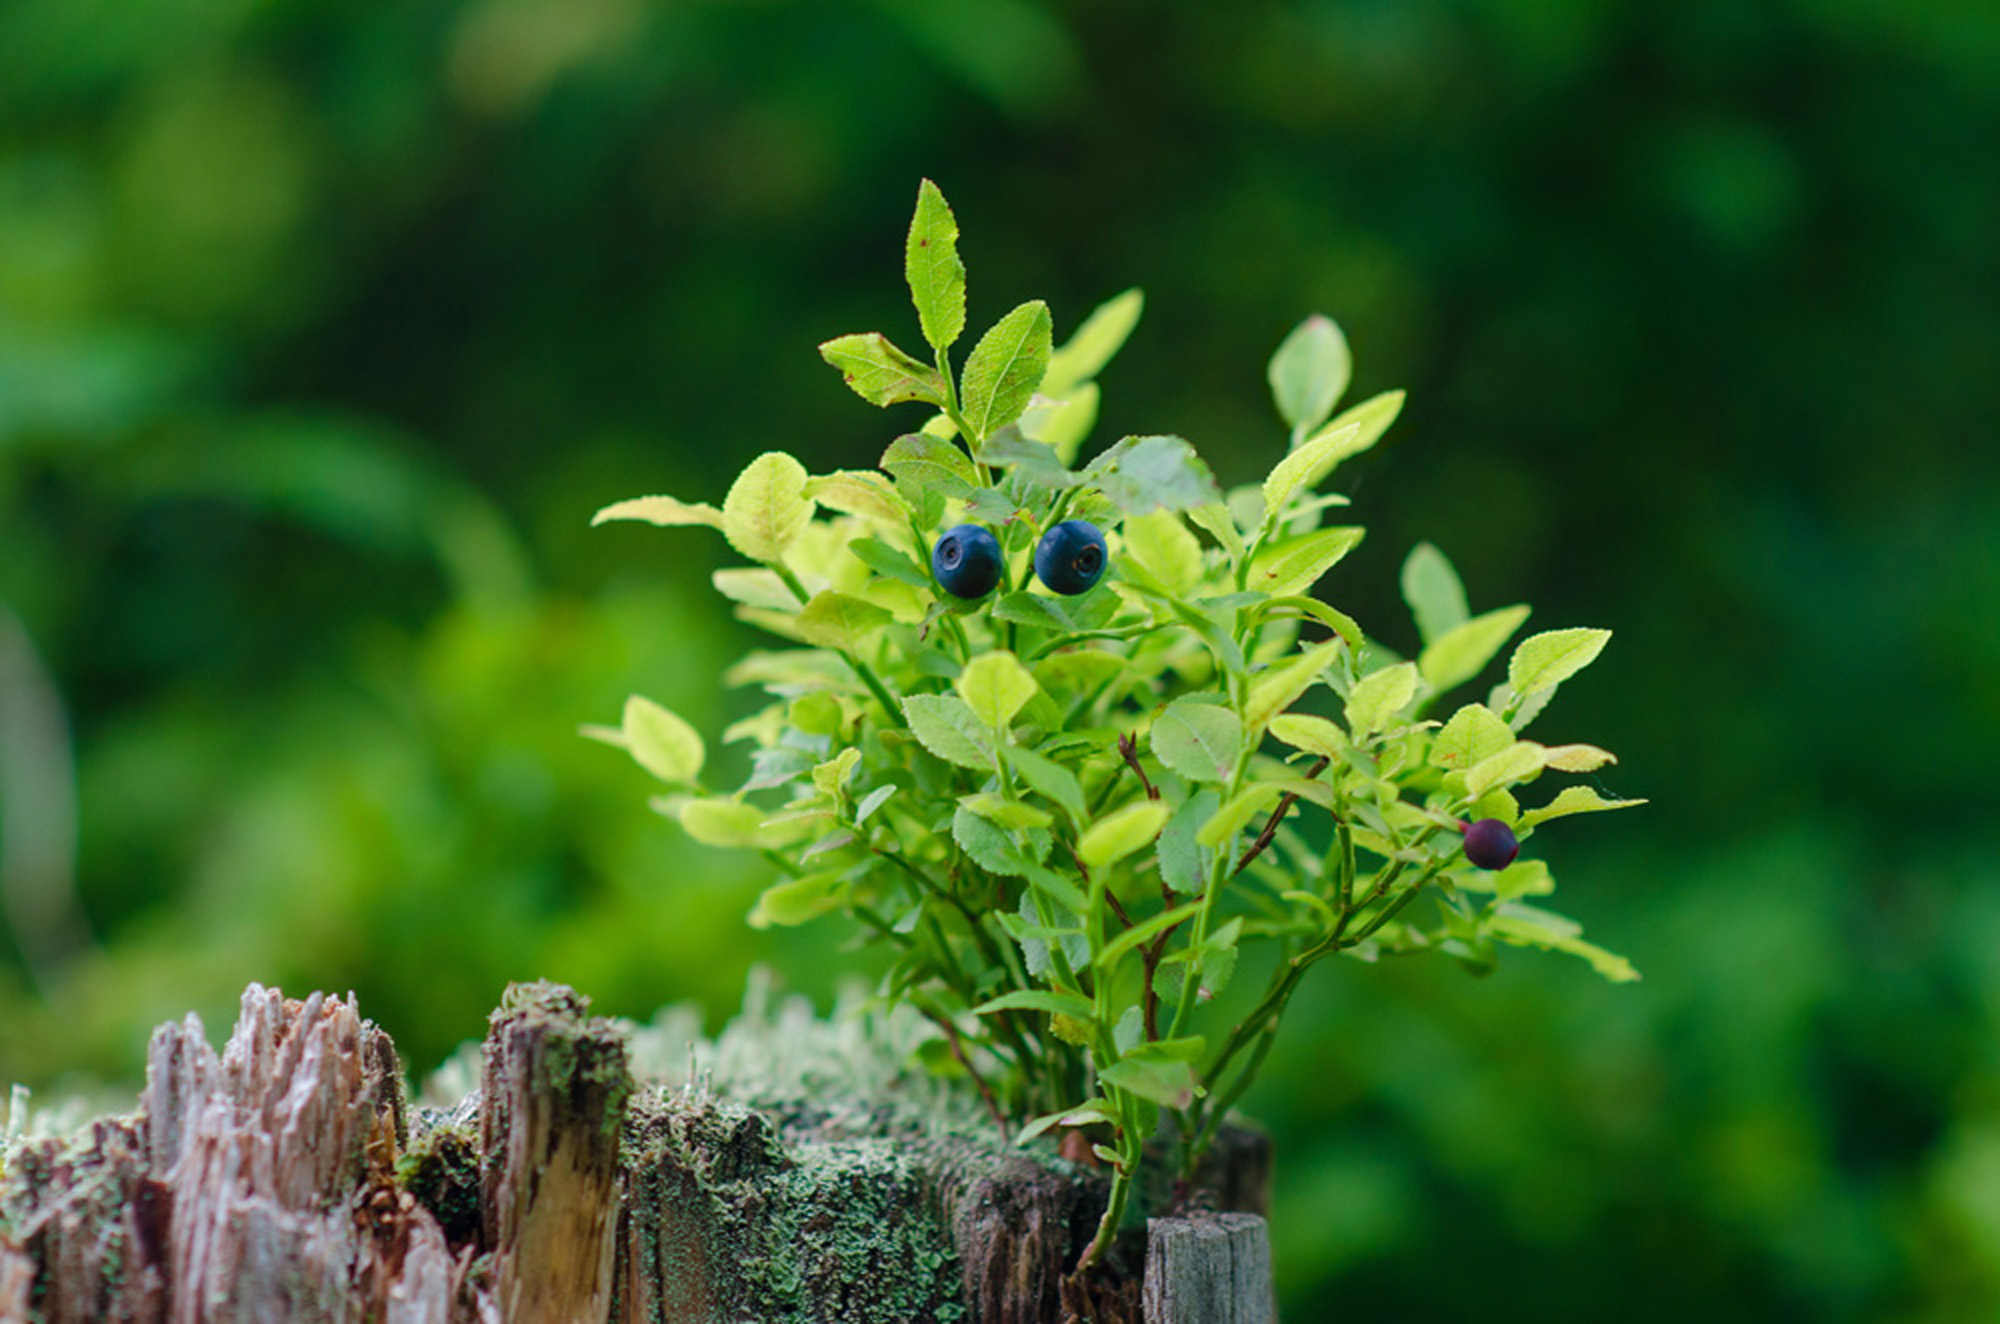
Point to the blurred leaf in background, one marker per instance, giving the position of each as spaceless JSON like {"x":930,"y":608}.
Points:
{"x":323,"y":330}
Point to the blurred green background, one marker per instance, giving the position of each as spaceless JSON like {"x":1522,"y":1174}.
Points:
{"x":324,"y":328}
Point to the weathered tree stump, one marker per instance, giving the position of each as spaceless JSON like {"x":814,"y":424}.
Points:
{"x":286,"y":1179}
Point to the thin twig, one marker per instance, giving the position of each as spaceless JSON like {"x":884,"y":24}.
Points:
{"x":943,"y":1022}
{"x":1270,"y":831}
{"x":1128,"y":749}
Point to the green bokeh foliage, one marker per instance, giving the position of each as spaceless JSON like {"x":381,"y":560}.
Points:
{"x":324,"y":329}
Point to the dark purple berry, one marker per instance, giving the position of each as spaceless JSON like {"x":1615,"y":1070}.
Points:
{"x":1071,"y":557}
{"x":1490,"y":844}
{"x":966,"y":561}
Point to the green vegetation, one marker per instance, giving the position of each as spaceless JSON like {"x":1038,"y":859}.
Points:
{"x":1062,"y":931}
{"x":318,"y":328}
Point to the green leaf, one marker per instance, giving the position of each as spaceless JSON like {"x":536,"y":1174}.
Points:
{"x":1036,"y":609}
{"x":1048,"y":778}
{"x":860,"y":492}
{"x":1140,"y":474}
{"x":1004,"y":369}
{"x":946,"y":727}
{"x":1294,"y":566}
{"x":871,"y":802}
{"x":1529,"y":926}
{"x":998,"y":810}
{"x":1144,"y":932}
{"x":724,"y":822}
{"x":1577,"y":758}
{"x":1036,"y":464}
{"x":1473,"y":733}
{"x":1101,"y":336}
{"x":661,"y":510}
{"x":1305,"y":468}
{"x":1461,"y":652}
{"x":767,"y":507}
{"x":1519,"y":762}
{"x":662,"y":742}
{"x":930,"y":464}
{"x":798,"y":900}
{"x":1280,"y":687}
{"x":1574,"y":800}
{"x":1309,"y":373}
{"x":1523,"y":878}
{"x":1433,"y":590}
{"x":835,"y":620}
{"x":1546,"y":660}
{"x":1121,"y":832}
{"x":1216,"y":521}
{"x":1062,"y":424}
{"x":889,"y":562}
{"x":880,"y":373}
{"x":993,"y":848}
{"x":1373,"y":416}
{"x":1379,"y":696}
{"x":995,"y":685}
{"x":1232,"y":817}
{"x":1200,"y":741}
{"x":1314,"y":735}
{"x":1181,"y":864}
{"x":1170,"y":1083}
{"x":830,"y":776}
{"x":1033,"y":999}
{"x":931,"y":266}
{"x":1164,"y":547}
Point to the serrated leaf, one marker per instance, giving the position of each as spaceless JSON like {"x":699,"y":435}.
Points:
{"x":1002,"y":812}
{"x":995,"y":685}
{"x":1314,"y":735}
{"x":767,"y":507}
{"x":1461,"y":652}
{"x":930,"y":464}
{"x":1519,"y":762}
{"x":798,"y":900}
{"x":1546,"y":660}
{"x":1473,"y":733}
{"x":880,"y":373}
{"x":1234,"y":816}
{"x":1305,"y":468}
{"x":1035,"y":463}
{"x":1295,"y":565}
{"x":1093,"y":344}
{"x":1165,"y":549}
{"x":835,"y":620}
{"x":1577,"y":758}
{"x":1048,"y":778}
{"x":1280,"y":687}
{"x":1034,"y":999}
{"x":1170,"y":1084}
{"x":1216,"y":521}
{"x":830,"y":776}
{"x":1180,"y":856}
{"x":1141,"y":474}
{"x":1200,"y":741}
{"x":1004,"y":369}
{"x":1379,"y":696}
{"x":1433,"y":590}
{"x":661,"y":510}
{"x":945,"y":726}
{"x":1121,"y":832}
{"x":860,"y":492}
{"x":1309,"y":372}
{"x":996,"y":849}
{"x":1025,"y":608}
{"x":932,"y":268}
{"x":1574,"y":800}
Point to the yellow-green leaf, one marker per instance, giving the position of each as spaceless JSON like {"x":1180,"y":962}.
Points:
{"x":1519,"y":762}
{"x":1458,"y":654}
{"x":767,"y":507}
{"x":1577,"y":758}
{"x":880,"y":373}
{"x":1002,"y":812}
{"x":1004,"y":369}
{"x":995,"y":685}
{"x":661,"y":510}
{"x":1305,"y":468}
{"x":1546,"y":660}
{"x":1280,"y":687}
{"x":1086,"y":352}
{"x":1474,"y":733}
{"x":1231,"y":818}
{"x":1574,"y":800}
{"x":723,"y":822}
{"x":835,"y":620}
{"x":932,"y":268}
{"x":860,"y":492}
{"x":831,"y":775}
{"x":798,"y":900}
{"x":1314,"y":735}
{"x":1162,"y":544}
{"x":944,"y":725}
{"x":1378,"y":696}
{"x":661,"y":741}
{"x":1294,"y":566}
{"x":1122,"y":832}
{"x":1309,"y":372}
{"x":1200,"y":741}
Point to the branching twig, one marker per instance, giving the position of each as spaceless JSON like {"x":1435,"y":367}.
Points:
{"x":1270,"y":831}
{"x":943,"y":1022}
{"x":1128,"y":749}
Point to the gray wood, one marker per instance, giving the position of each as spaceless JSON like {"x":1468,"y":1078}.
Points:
{"x":1209,"y":1269}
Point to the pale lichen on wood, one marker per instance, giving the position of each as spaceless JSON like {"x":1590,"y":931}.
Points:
{"x":809,"y":1173}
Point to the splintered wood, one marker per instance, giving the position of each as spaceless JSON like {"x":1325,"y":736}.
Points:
{"x":285,"y":1179}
